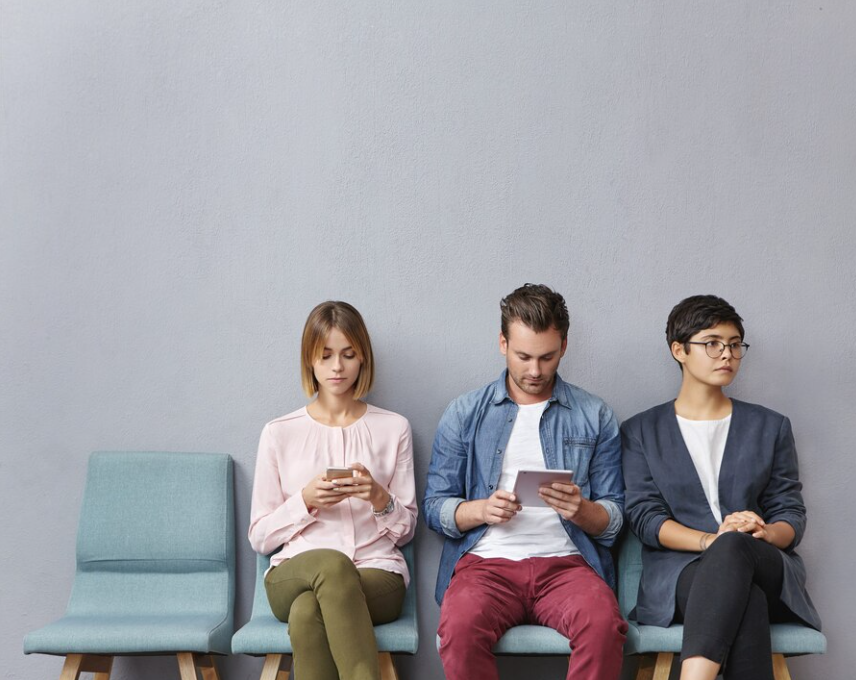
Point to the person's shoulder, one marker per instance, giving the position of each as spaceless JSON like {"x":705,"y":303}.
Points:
{"x":387,"y":418}
{"x":757,"y":412}
{"x":647,"y":416}
{"x":474,"y":400}
{"x":577,"y":396}
{"x":295,"y":418}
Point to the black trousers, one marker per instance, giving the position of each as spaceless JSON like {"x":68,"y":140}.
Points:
{"x":726,"y":601}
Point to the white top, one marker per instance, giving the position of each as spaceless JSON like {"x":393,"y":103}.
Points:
{"x":534,"y":531}
{"x":705,"y":440}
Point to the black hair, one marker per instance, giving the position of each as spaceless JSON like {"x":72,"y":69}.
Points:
{"x":696,"y":313}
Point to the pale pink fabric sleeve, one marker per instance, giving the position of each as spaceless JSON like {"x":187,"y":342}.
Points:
{"x":274,"y":518}
{"x":400,"y":524}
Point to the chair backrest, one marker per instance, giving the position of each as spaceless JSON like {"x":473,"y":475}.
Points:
{"x":156,"y":535}
{"x":629,"y":572}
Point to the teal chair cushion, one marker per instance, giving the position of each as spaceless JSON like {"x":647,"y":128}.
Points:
{"x":265,"y":634}
{"x":155,"y":558}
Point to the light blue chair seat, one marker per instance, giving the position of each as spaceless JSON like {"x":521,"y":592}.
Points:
{"x":155,"y":561}
{"x":532,"y":641}
{"x":265,"y":635}
{"x":788,"y":639}
{"x":529,"y":640}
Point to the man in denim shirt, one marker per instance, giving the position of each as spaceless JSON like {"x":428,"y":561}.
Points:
{"x":504,"y":564}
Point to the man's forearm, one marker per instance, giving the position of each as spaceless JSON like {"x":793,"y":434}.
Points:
{"x":592,"y":518}
{"x":470,"y":514}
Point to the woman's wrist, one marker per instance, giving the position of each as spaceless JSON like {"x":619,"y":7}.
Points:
{"x":704,"y":541}
{"x":380,"y":499}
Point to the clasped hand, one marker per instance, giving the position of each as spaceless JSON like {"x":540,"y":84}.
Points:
{"x":745,"y":522}
{"x":321,"y":493}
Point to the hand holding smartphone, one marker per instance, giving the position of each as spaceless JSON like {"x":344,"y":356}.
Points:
{"x":338,"y":473}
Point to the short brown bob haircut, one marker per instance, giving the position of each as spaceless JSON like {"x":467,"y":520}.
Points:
{"x":325,"y":317}
{"x":537,"y":307}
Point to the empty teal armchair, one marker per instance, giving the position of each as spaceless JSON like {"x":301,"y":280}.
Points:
{"x":155,"y":565}
{"x":265,"y":635}
{"x":657,"y":646}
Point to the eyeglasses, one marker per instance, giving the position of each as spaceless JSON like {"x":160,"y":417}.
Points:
{"x":715,"y":348}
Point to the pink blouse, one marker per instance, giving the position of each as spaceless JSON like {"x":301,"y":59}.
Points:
{"x":294,"y":449}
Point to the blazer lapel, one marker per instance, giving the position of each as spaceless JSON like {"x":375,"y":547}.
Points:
{"x":731,"y":462}
{"x":685,"y":469}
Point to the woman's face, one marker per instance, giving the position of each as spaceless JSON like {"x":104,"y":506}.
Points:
{"x":699,"y":367}
{"x":339,"y":367}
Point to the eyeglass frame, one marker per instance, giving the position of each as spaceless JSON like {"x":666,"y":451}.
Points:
{"x":744,"y":347}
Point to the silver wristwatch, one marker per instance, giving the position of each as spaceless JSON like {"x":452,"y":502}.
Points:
{"x":388,"y":509}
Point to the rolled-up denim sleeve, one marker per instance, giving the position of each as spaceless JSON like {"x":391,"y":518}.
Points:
{"x":606,"y":477}
{"x":446,"y":484}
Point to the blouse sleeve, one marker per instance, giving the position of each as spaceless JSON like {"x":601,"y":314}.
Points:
{"x":275,"y":519}
{"x":400,"y":524}
{"x":645,"y":506}
{"x":781,"y":500}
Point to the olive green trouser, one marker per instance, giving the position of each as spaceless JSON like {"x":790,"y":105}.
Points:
{"x":331,"y":606}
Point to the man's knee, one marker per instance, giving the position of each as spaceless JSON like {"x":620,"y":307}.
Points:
{"x":466,"y":618}
{"x":602,"y":622}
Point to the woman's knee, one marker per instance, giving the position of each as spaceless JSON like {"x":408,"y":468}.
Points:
{"x":305,"y":614}
{"x":729,"y":547}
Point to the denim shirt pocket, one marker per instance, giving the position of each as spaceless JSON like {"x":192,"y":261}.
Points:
{"x":576,"y":456}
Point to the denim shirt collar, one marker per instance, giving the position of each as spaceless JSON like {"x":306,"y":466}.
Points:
{"x":560,"y":394}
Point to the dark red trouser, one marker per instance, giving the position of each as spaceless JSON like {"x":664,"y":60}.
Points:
{"x":488,"y":596}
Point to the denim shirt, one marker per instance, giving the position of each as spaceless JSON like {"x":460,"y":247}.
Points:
{"x":578,"y":432}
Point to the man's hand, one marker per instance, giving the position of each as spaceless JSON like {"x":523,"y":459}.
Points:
{"x":498,"y":508}
{"x":567,"y":500}
{"x":564,"y":497}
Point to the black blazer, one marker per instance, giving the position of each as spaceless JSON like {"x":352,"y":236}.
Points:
{"x":759,"y":472}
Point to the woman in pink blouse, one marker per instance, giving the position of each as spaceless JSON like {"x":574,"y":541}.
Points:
{"x":337,"y":570}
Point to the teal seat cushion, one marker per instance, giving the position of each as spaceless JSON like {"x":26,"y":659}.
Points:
{"x":116,"y":635}
{"x":533,"y":640}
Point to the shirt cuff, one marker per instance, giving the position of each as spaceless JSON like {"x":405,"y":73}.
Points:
{"x":447,"y":517}
{"x":616,"y":519}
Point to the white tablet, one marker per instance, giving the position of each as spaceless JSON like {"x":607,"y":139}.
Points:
{"x":529,"y":481}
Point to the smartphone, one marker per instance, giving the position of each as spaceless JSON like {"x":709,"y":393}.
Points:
{"x":338,"y":473}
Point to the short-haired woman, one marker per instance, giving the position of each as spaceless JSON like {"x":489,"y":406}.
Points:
{"x":713,"y":493}
{"x":338,"y":570}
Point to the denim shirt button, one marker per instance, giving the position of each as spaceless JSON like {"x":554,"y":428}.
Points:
{"x":498,"y":451}
{"x":490,"y":487}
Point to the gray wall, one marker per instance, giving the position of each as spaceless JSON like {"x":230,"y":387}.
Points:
{"x":180,"y":182}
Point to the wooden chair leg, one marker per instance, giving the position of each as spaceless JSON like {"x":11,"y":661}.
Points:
{"x":189,"y":663}
{"x":71,"y":667}
{"x":186,"y":666}
{"x":273,"y":668}
{"x":208,"y":668}
{"x":655,"y":668}
{"x":75,"y":664}
{"x":780,"y":667}
{"x":387,"y":668}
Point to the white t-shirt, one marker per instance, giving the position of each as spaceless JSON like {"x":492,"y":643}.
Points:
{"x":534,"y":531}
{"x":705,"y":440}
